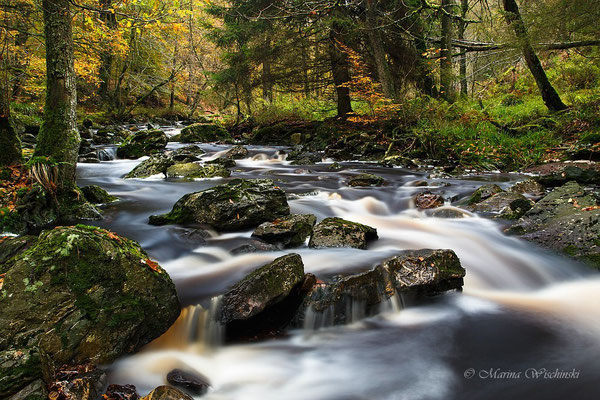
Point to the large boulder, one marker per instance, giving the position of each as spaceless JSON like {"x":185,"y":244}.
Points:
{"x":411,"y":274}
{"x":142,"y":143}
{"x":194,"y":170}
{"x":205,"y":133}
{"x":111,"y":134}
{"x":338,"y":232}
{"x":186,"y":154}
{"x":238,"y":204}
{"x":82,"y":294}
{"x":236,"y":153}
{"x":262,"y":288}
{"x":264,"y":301}
{"x":566,"y":220}
{"x":289,"y":231}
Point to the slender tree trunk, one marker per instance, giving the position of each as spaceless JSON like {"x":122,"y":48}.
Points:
{"x":376,"y":42}
{"x":340,"y":69}
{"x":549,"y":94}
{"x":304,"y":55}
{"x":106,"y":55}
{"x":446,"y":72}
{"x":19,"y":60}
{"x":58,"y":137}
{"x":462,"y":27}
{"x":267,"y":78}
{"x":9,"y":141}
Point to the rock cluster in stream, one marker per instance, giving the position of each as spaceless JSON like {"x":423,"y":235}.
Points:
{"x":73,"y":296}
{"x":279,"y":295}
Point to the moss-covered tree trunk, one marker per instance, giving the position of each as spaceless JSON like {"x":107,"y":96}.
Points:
{"x":514,"y":19}
{"x":106,"y":54}
{"x":58,"y":137}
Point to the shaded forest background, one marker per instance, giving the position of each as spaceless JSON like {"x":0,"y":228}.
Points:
{"x":450,"y":74}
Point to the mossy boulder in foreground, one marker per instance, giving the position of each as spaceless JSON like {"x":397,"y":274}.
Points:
{"x":205,"y":133}
{"x":79,"y":294}
{"x":238,"y":204}
{"x":142,"y":143}
{"x":96,"y":195}
{"x":338,"y":232}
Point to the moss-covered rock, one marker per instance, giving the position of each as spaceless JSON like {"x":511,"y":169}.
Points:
{"x":289,"y":231}
{"x":112,"y":134}
{"x":96,"y":195}
{"x":195,"y":171}
{"x":338,"y":232}
{"x":13,"y":246}
{"x":84,"y":294}
{"x":205,"y":133}
{"x":223,"y":162}
{"x":237,"y":153}
{"x":157,"y":164}
{"x":238,"y":204}
{"x":262,"y":288}
{"x":284,"y":133}
{"x":18,"y":368}
{"x":366,"y":180}
{"x":529,"y":187}
{"x":143,"y":143}
{"x":186,"y":154}
{"x":484,"y":192}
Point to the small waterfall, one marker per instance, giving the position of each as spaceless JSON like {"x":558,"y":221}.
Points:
{"x":107,"y":154}
{"x":196,"y":326}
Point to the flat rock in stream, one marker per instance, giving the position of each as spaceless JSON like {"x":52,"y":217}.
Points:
{"x":507,"y":204}
{"x":484,"y":192}
{"x":410,"y":274}
{"x":566,"y":220}
{"x":427,"y":200}
{"x":238,"y":204}
{"x":366,"y":180}
{"x":289,"y":231}
{"x":157,"y":164}
{"x":338,"y":232}
{"x":81,"y":294}
{"x":194,"y":170}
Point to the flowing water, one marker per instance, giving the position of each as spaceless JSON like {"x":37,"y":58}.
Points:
{"x":523,"y":310}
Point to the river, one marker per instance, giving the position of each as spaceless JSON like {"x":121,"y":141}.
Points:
{"x":526,"y":325}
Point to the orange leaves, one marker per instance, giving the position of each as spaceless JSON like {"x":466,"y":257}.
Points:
{"x":592,"y":208}
{"x":2,"y":280}
{"x":10,"y":186}
{"x":153,"y":265}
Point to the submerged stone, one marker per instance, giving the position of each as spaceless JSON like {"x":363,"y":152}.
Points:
{"x":238,"y":204}
{"x":338,"y":232}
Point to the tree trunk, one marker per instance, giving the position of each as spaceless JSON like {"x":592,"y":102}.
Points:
{"x":340,"y":69}
{"x":462,"y":27}
{"x":58,"y":137}
{"x":549,"y":94}
{"x":267,"y":78}
{"x":446,"y":73}
{"x":9,"y":141}
{"x":376,"y":42}
{"x":304,"y":54}
{"x":106,"y":55}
